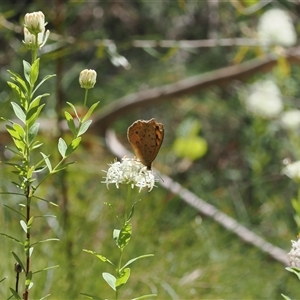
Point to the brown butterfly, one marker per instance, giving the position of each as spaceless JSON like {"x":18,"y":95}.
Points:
{"x":146,"y":138}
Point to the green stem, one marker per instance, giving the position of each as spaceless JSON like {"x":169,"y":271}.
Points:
{"x":126,"y":203}
{"x":85,"y":97}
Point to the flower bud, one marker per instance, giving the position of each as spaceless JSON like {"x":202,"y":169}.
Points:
{"x":87,"y":78}
{"x":35,"y":22}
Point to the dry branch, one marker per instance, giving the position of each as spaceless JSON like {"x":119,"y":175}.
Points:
{"x":221,"y":77}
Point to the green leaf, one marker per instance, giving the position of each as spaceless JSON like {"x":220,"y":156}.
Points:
{"x":27,"y":68}
{"x":124,"y":236}
{"x":18,"y":260}
{"x":134,"y":259}
{"x":23,"y":225}
{"x":62,"y":167}
{"x":145,"y":297}
{"x":15,"y":294}
{"x":285,"y":297}
{"x":30,"y":221}
{"x":33,"y":131}
{"x":47,"y":240}
{"x":74,"y":109}
{"x":110,"y":280}
{"x":101,"y":257}
{"x":17,"y":212}
{"x":91,"y":296}
{"x":36,"y":145}
{"x":71,"y":123}
{"x":34,"y":72}
{"x":33,"y":114}
{"x":47,"y":161}
{"x":19,"y":112}
{"x":294,"y":270}
{"x":42,"y":81}
{"x":2,"y":279}
{"x":45,"y":297}
{"x":28,"y":282}
{"x":62,"y":147}
{"x":90,"y":111}
{"x":17,"y":78}
{"x":84,"y":127}
{"x":72,"y":147}
{"x":46,"y":269}
{"x":125,"y":274}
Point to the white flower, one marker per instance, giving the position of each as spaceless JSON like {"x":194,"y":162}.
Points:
{"x":129,"y":171}
{"x":292,"y":170}
{"x":290,"y":120}
{"x":275,"y":27}
{"x":294,"y":254}
{"x":29,"y":39}
{"x":87,"y":78}
{"x":35,"y":22}
{"x":264,"y":99}
{"x":34,"y":27}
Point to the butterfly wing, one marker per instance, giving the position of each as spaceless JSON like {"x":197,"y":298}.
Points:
{"x":146,"y":138}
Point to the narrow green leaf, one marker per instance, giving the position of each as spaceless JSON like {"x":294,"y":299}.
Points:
{"x":34,"y":72}
{"x":62,"y":147}
{"x":27,"y":67}
{"x":20,"y":130}
{"x":15,"y":294}
{"x":23,"y":225}
{"x":17,"y":212}
{"x":125,"y":274}
{"x":30,"y":221}
{"x":36,"y":145}
{"x":45,"y":200}
{"x":17,"y":78}
{"x":18,"y":260}
{"x":71,"y":123}
{"x":33,"y":114}
{"x":33,"y":131}
{"x":84,"y":127}
{"x":116,"y":234}
{"x":294,"y":270}
{"x":74,"y":109}
{"x":41,"y":82}
{"x":46,"y":269}
{"x":110,"y":280}
{"x":28,"y":278}
{"x":18,"y":94}
{"x":47,"y":161}
{"x":45,"y":297}
{"x":124,"y":236}
{"x":134,"y":259}
{"x":44,"y":241}
{"x":62,"y":167}
{"x":90,"y":111}
{"x":19,"y":112}
{"x":2,"y":279}
{"x":145,"y":297}
{"x":91,"y":296}
{"x":72,"y":147}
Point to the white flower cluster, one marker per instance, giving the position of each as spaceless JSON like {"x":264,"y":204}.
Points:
{"x":34,"y":28}
{"x":292,"y":170}
{"x":129,"y":171}
{"x":275,"y":27}
{"x":264,"y":99}
{"x":290,"y":119}
{"x":294,"y":254}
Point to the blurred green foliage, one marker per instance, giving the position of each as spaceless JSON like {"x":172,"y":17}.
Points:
{"x":240,"y":172}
